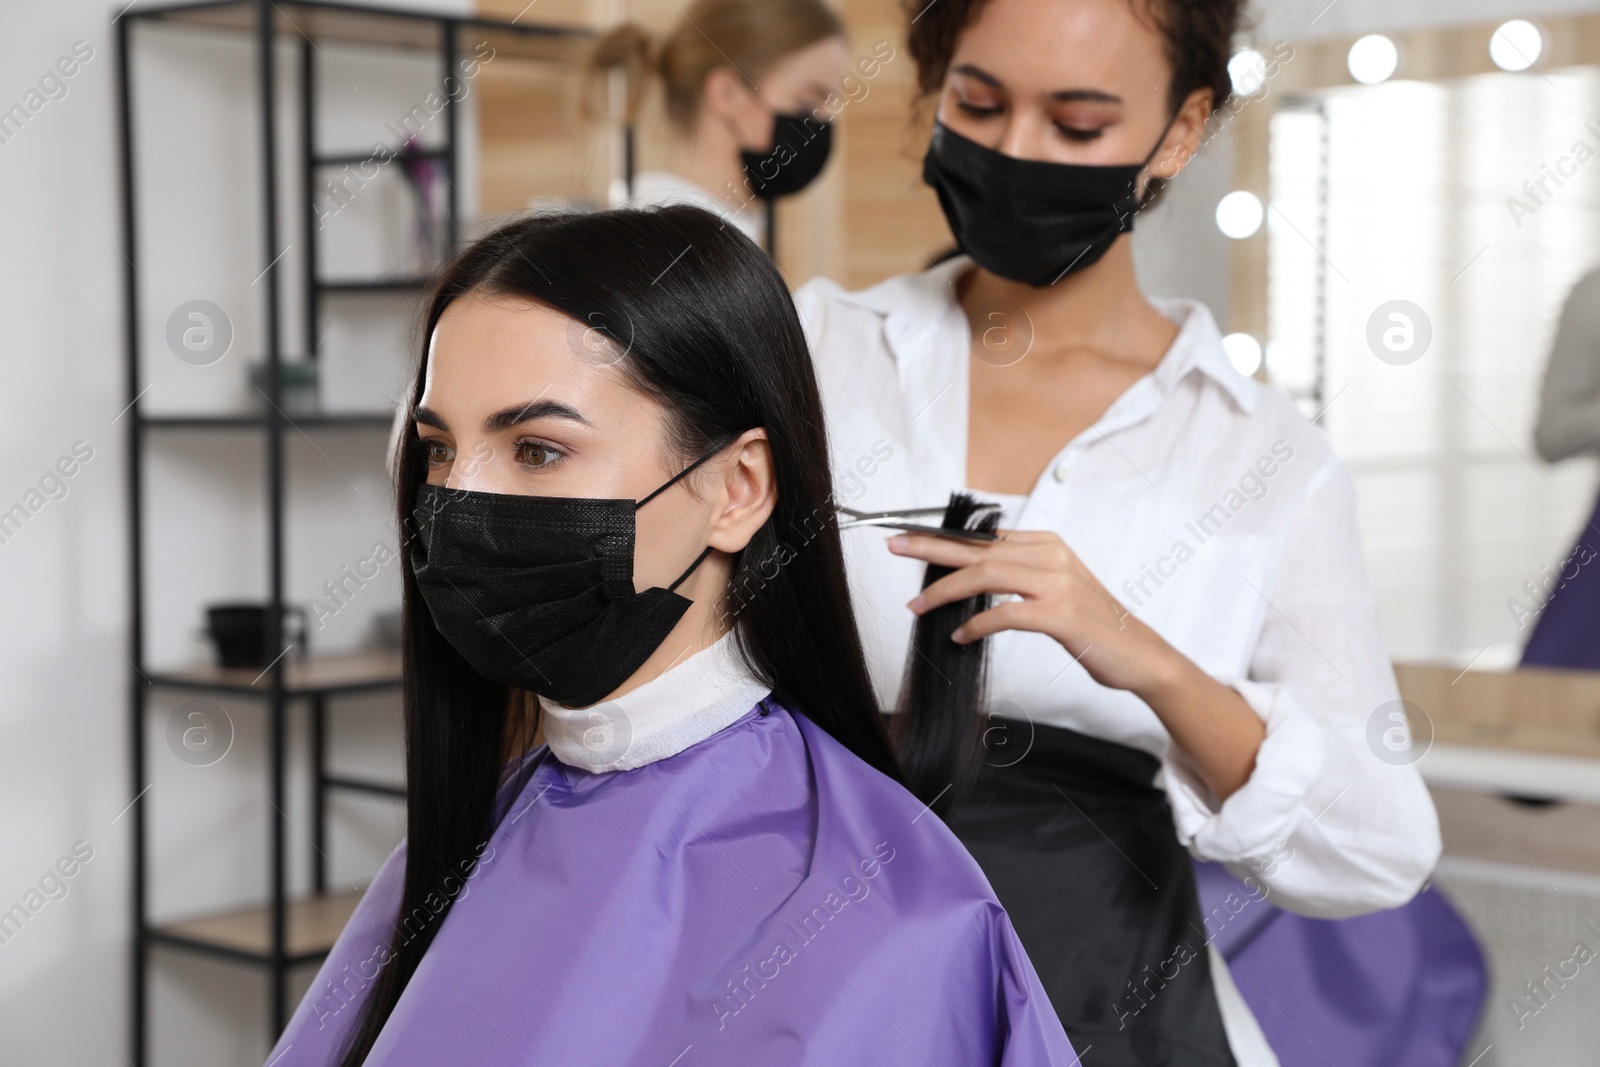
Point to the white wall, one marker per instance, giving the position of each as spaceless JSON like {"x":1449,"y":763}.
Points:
{"x":63,"y":578}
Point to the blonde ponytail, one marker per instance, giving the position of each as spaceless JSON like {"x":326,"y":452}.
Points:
{"x":747,"y":35}
{"x":627,"y":47}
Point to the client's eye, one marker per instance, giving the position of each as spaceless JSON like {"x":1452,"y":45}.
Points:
{"x":435,"y":452}
{"x":535,"y":454}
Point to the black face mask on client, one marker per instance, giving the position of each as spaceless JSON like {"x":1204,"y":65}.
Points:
{"x":537,"y":591}
{"x":800,"y":147}
{"x":1025,"y":219}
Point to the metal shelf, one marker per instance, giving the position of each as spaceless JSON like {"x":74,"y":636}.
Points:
{"x":373,"y":285}
{"x":400,"y":28}
{"x":320,"y":675}
{"x":359,"y":785}
{"x":352,"y":159}
{"x":245,"y":935}
{"x":281,"y":932}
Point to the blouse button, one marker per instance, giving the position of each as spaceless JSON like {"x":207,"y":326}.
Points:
{"x":1061,"y":471}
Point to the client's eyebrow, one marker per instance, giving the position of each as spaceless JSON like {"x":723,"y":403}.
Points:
{"x":509,"y":417}
{"x":1065,"y":96}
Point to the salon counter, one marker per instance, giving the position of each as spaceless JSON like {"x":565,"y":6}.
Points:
{"x":1514,"y":763}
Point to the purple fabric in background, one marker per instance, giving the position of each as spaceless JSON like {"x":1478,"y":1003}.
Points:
{"x":1397,"y":988}
{"x":763,"y":897}
{"x":1568,"y":631}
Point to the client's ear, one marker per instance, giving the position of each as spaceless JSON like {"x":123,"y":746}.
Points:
{"x":751,"y":489}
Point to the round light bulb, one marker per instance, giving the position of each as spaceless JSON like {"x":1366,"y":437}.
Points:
{"x":1373,"y":59}
{"x":1516,"y":45}
{"x":1239,"y":214}
{"x":1244,"y":352}
{"x":1247,"y":70}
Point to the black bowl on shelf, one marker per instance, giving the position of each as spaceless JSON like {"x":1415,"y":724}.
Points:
{"x":239,"y":632}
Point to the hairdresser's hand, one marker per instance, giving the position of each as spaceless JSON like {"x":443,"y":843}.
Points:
{"x":1061,"y":598}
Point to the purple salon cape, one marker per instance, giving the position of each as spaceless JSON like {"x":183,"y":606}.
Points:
{"x":1568,"y":631}
{"x":1397,"y":988}
{"x":762,"y":897}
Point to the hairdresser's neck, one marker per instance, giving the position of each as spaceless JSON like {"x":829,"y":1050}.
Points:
{"x":1099,"y":308}
{"x":709,"y":157}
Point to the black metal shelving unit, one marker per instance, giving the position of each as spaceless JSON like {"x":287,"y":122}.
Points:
{"x":282,"y":933}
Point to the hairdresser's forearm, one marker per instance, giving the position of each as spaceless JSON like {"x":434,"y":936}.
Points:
{"x":1210,"y":721}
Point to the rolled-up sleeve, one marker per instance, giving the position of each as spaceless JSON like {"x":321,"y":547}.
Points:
{"x":1333,"y":829}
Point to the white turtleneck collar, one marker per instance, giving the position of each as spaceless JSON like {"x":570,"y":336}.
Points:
{"x":681,"y":707}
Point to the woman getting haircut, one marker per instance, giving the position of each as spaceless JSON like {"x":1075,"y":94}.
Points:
{"x":1184,"y":653}
{"x":743,"y":82}
{"x":610,"y":504}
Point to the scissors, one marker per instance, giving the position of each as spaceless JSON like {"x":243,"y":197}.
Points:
{"x":897,"y":520}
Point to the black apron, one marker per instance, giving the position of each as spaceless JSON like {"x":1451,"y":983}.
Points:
{"x":1080,"y":849}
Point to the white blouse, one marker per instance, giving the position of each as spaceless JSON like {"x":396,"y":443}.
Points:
{"x":1218,"y":515}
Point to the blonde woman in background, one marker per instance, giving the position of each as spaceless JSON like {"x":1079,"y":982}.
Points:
{"x":743,"y":81}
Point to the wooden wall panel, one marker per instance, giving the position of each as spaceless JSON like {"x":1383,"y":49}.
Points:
{"x":533,"y":143}
{"x":892,"y":221}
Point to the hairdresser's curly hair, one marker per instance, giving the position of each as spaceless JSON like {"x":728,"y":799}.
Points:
{"x":1197,"y":34}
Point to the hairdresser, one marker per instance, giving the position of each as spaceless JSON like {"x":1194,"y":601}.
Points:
{"x":1183,"y":651}
{"x":744,"y":83}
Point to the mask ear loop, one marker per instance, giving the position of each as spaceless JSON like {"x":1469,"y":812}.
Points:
{"x":697,"y":561}
{"x":668,"y":484}
{"x":1141,"y":199}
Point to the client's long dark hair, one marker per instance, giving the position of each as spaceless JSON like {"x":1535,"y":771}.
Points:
{"x":936,"y":731}
{"x":704,"y":324}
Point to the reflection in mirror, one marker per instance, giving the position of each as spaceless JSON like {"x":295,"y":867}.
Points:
{"x":1423,"y":239}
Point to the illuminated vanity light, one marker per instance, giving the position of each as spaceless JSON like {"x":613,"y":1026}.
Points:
{"x":1240,"y":214}
{"x":1516,"y":45}
{"x":1244,"y":352}
{"x":1373,"y":59}
{"x":1247,"y":70}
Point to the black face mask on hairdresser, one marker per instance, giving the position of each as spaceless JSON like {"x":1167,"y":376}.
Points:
{"x":537,"y":591}
{"x":1025,"y":219}
{"x":800,"y":147}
